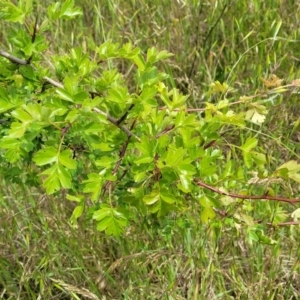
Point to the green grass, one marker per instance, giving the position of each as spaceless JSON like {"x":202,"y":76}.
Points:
{"x":43,"y":257}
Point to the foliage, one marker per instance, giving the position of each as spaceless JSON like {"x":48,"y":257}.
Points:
{"x":122,"y":149}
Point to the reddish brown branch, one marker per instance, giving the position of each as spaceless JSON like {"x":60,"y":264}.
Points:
{"x":248,"y":197}
{"x":210,"y":144}
{"x":166,"y":130}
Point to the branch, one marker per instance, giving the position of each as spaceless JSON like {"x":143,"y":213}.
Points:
{"x":118,"y":164}
{"x":126,"y":114}
{"x":283,"y":223}
{"x":248,"y":197}
{"x":111,"y":119}
{"x":13,"y":58}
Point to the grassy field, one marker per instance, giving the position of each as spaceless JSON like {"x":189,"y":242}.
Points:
{"x":238,"y":42}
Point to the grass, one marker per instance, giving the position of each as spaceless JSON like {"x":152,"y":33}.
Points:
{"x":43,"y":257}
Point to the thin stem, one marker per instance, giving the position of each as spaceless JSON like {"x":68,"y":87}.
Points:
{"x":248,"y":197}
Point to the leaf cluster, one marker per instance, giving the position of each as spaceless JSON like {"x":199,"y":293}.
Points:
{"x":121,"y":149}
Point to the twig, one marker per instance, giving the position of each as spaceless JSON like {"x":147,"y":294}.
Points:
{"x":111,"y":119}
{"x":35,"y":30}
{"x":13,"y":58}
{"x":126,"y":114}
{"x":115,"y":122}
{"x":118,"y":164}
{"x":283,"y":223}
{"x":248,"y":197}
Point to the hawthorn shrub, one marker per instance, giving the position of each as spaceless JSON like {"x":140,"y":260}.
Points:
{"x":125,"y":146}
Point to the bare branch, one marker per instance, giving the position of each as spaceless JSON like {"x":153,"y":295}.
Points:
{"x":115,"y":122}
{"x":247,"y":197}
{"x":13,"y":58}
{"x":283,"y":223}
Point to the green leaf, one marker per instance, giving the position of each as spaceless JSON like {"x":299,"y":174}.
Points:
{"x":207,"y":166}
{"x":108,"y":50}
{"x":146,"y":146}
{"x":17,"y":130}
{"x":67,"y":11}
{"x":167,"y":197}
{"x":63,"y":94}
{"x":139,"y":61}
{"x":64,"y":177}
{"x":249,"y":144}
{"x":119,"y":95}
{"x":5,"y":105}
{"x":13,"y":155}
{"x":74,"y":198}
{"x":263,"y":239}
{"x":186,"y":169}
{"x":58,"y":177}
{"x":51,"y":183}
{"x":205,"y":202}
{"x":253,"y":236}
{"x":185,"y":183}
{"x":150,"y":76}
{"x":154,"y":56}
{"x":227,"y":200}
{"x":80,"y":97}
{"x":160,"y":202}
{"x":152,"y":198}
{"x":65,"y":159}
{"x":180,"y":118}
{"x":145,"y":159}
{"x":22,"y":115}
{"x":106,"y":161}
{"x":175,"y":156}
{"x":148,"y":95}
{"x":36,"y":111}
{"x":258,"y":158}
{"x":27,"y":72}
{"x":46,"y":156}
{"x":10,"y":143}
{"x":245,"y":218}
{"x":72,"y":115}
{"x":110,"y":220}
{"x":71,"y":84}
{"x":248,"y":159}
{"x":77,"y":213}
{"x":93,"y":185}
{"x":12,"y":12}
{"x":178,"y":99}
{"x":207,"y":214}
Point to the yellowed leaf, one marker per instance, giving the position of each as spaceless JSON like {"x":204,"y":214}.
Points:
{"x":296,"y":82}
{"x":217,"y":87}
{"x":273,"y":81}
